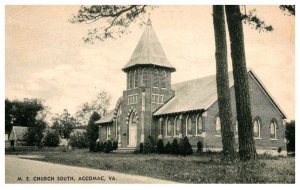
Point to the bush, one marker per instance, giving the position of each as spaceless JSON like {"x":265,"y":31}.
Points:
{"x":108,"y":147}
{"x":141,"y":148}
{"x":174,"y":147}
{"x":51,"y":139}
{"x":160,"y":149}
{"x":115,"y":145}
{"x":79,"y":140}
{"x":99,"y":147}
{"x":199,"y":147}
{"x":149,"y":146}
{"x":185,"y":147}
{"x":168,"y":148}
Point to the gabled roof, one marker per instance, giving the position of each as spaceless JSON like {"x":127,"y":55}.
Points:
{"x":149,"y":51}
{"x":17,"y":133}
{"x":107,"y":118}
{"x":191,"y":95}
{"x":200,"y":94}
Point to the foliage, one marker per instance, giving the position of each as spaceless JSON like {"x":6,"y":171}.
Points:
{"x":185,"y":147}
{"x":160,"y":149}
{"x":93,"y":131}
{"x":255,"y":22}
{"x":34,"y":134}
{"x":64,"y":123}
{"x":99,"y":105}
{"x":288,"y":8}
{"x":118,"y":18}
{"x":115,"y":145}
{"x":51,"y":139}
{"x":149,"y":146}
{"x":199,"y":147}
{"x":108,"y":146}
{"x":23,"y":113}
{"x":168,"y":148}
{"x":175,"y":147}
{"x":79,"y":139}
{"x":99,"y":146}
{"x":141,"y":147}
{"x":290,"y":136}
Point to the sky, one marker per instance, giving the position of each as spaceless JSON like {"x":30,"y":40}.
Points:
{"x":45,"y":56}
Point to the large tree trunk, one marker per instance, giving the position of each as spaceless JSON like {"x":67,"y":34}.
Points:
{"x":247,"y":149}
{"x":225,"y":112}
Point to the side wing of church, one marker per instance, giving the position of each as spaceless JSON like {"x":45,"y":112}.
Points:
{"x":151,"y":106}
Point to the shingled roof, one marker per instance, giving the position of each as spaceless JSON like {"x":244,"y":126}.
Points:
{"x":107,"y":118}
{"x":149,"y":51}
{"x":200,"y":94}
{"x":17,"y":133}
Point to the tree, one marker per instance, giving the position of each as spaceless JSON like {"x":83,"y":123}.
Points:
{"x":175,"y":147}
{"x":34,"y":134}
{"x":51,"y":139}
{"x":79,"y":139}
{"x":223,"y":91}
{"x":290,"y":136}
{"x":160,"y":149}
{"x":25,"y":113}
{"x":116,"y":16}
{"x":100,"y":105}
{"x":247,"y":150}
{"x":92,"y":131}
{"x":64,"y":123}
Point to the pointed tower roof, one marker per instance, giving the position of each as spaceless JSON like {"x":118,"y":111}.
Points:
{"x":149,"y":51}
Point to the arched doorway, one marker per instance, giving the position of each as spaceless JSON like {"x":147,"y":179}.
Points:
{"x":132,"y":125}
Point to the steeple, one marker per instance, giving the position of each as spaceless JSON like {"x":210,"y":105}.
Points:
{"x":149,"y":51}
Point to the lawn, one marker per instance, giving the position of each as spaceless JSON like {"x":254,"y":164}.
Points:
{"x":205,"y":168}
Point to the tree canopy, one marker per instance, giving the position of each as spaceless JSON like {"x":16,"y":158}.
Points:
{"x":26,"y":112}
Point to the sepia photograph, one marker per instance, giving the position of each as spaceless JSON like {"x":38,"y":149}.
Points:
{"x":149,"y":94}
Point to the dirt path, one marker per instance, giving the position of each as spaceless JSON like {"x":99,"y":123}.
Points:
{"x":30,"y":171}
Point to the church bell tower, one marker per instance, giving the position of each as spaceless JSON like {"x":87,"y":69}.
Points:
{"x":148,"y":88}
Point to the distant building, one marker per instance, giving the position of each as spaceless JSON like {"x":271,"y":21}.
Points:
{"x":16,"y":136}
{"x":151,"y":106}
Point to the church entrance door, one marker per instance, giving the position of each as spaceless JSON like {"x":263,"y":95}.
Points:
{"x":132,"y":130}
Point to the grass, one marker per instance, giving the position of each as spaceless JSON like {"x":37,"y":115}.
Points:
{"x":205,"y":168}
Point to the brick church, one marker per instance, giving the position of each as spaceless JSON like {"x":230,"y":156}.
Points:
{"x":152,"y":106}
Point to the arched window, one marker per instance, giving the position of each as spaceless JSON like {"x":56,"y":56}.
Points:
{"x":161,"y":120}
{"x":199,"y":125}
{"x":256,"y":128}
{"x":273,"y":129}
{"x":170,"y":127}
{"x":136,"y":80}
{"x":236,"y":127}
{"x":190,"y":125}
{"x":118,"y":122}
{"x":146,"y":77}
{"x":129,"y":73}
{"x":218,"y":126}
{"x":178,"y":127}
{"x":108,"y":133}
{"x":133,"y":118}
{"x":155,"y":78}
{"x":163,"y":79}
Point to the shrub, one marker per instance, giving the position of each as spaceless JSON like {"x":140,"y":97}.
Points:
{"x":108,"y":147}
{"x":279,"y":149}
{"x":99,"y":147}
{"x":168,"y":148}
{"x":141,"y":148}
{"x":79,"y":140}
{"x":185,"y":147}
{"x":160,"y":149}
{"x":149,"y":146}
{"x":115,"y":145}
{"x":174,"y":147}
{"x":199,"y":147}
{"x":51,"y":139}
